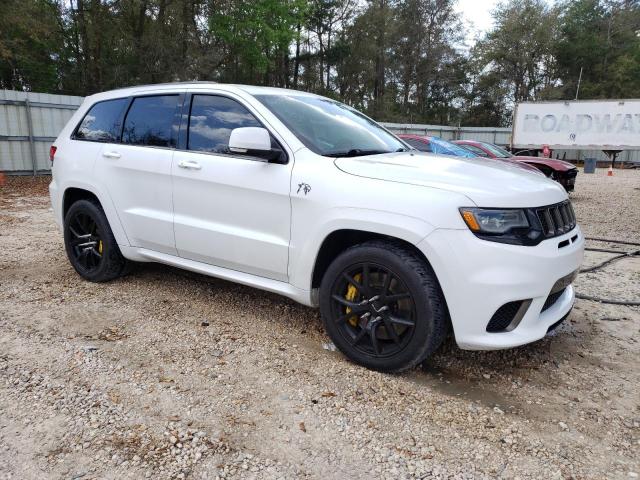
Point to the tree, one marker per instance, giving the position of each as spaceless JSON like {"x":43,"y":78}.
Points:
{"x":397,"y":60}
{"x":255,"y":35}
{"x":601,"y":38}
{"x":30,"y":43}
{"x":520,"y":47}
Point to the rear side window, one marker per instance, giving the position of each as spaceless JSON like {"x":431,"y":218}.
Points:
{"x":150,"y":121}
{"x":211,"y":120}
{"x":102,"y":122}
{"x":418,"y":145}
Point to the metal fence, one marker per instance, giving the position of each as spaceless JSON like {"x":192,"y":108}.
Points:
{"x":30,"y":122}
{"x":501,"y":136}
{"x":497,"y":135}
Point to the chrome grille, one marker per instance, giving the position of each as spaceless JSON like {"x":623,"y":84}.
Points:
{"x":557,"y":219}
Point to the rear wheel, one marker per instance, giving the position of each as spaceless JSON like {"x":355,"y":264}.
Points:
{"x":91,"y":247}
{"x":382,"y":306}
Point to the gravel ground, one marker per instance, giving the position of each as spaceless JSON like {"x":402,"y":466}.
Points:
{"x":165,"y":374}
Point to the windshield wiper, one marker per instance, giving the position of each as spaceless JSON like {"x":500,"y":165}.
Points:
{"x":355,"y":152}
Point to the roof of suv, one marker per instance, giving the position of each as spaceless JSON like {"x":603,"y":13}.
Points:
{"x":250,"y":89}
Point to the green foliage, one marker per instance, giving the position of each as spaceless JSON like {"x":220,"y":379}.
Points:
{"x":254,"y":33}
{"x":519,"y":49}
{"x":29,"y":45}
{"x":602,"y":38}
{"x":397,"y":60}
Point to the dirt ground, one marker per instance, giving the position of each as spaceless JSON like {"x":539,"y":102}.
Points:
{"x":166,"y":374}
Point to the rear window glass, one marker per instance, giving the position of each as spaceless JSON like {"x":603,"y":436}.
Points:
{"x":211,"y":121}
{"x":102,"y":121}
{"x":150,"y":121}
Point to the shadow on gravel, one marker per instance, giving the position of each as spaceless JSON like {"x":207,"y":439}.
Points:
{"x":470,"y":374}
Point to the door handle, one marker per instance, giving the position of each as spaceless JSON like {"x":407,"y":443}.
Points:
{"x":111,"y":155}
{"x":189,"y":164}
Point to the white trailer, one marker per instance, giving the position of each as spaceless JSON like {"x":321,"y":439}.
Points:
{"x":607,"y":125}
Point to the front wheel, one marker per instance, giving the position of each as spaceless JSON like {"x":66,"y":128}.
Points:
{"x":382,"y":306}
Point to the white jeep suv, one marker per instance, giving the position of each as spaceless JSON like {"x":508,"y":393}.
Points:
{"x":304,"y":196}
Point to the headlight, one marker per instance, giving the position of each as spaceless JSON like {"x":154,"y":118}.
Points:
{"x":494,"y":221}
{"x":515,"y":226}
{"x":520,"y":226}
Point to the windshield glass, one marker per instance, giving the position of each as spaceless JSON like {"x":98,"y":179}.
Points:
{"x":331,"y":128}
{"x":447,"y":148}
{"x":497,"y":151}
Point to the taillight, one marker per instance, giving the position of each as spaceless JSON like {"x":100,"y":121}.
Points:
{"x":52,"y":152}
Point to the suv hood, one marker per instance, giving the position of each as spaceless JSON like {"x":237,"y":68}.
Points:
{"x":486,"y":182}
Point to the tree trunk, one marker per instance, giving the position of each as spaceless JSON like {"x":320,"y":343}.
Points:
{"x":328,"y":62}
{"x":86,"y":82}
{"x":296,"y":63}
{"x":378,"y":86}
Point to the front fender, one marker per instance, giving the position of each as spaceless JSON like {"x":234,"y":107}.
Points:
{"x":305,"y":245}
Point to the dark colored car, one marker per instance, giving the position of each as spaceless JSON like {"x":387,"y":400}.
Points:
{"x":562,"y":172}
{"x":444,"y":147}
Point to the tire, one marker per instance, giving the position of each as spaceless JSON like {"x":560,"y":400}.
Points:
{"x":90,"y":245}
{"x":413,"y":296}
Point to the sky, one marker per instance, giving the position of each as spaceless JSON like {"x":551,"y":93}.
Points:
{"x":476,"y":15}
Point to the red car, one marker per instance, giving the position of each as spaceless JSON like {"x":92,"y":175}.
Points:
{"x":443,"y":147}
{"x":562,"y":172}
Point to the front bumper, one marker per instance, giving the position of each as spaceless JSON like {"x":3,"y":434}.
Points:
{"x":478,"y":277}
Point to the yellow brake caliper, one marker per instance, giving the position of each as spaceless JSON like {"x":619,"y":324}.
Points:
{"x":352,"y":291}
{"x":100,"y":247}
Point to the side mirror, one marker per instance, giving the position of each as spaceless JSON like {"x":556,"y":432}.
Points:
{"x":244,"y":139}
{"x":256,"y":142}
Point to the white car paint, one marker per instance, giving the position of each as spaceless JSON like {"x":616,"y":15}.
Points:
{"x":258,"y":224}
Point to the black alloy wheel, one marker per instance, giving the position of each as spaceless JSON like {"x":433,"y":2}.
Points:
{"x":382,"y":306}
{"x":91,"y":247}
{"x":374,"y":310}
{"x":86,"y":243}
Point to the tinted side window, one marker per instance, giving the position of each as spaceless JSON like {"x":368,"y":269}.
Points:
{"x":211,"y":120}
{"x":150,"y":121}
{"x":417,"y":144}
{"x":102,"y":122}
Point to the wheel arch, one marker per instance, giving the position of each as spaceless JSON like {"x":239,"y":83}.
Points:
{"x":338,"y":241}
{"x":73,"y":193}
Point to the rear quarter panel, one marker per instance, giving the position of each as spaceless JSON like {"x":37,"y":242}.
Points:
{"x":74,"y":168}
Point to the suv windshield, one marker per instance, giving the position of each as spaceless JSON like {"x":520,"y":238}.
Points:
{"x":330,"y":128}
{"x":497,"y":151}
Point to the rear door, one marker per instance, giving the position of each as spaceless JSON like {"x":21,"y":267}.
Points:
{"x":137,"y":170}
{"x":231,"y":210}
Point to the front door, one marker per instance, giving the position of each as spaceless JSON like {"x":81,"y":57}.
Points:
{"x":230,"y":210}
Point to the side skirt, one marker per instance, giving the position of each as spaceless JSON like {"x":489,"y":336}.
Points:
{"x":282,"y":288}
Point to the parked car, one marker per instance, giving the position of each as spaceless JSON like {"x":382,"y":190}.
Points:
{"x":306,"y":197}
{"x":426,"y":143}
{"x":562,"y":172}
